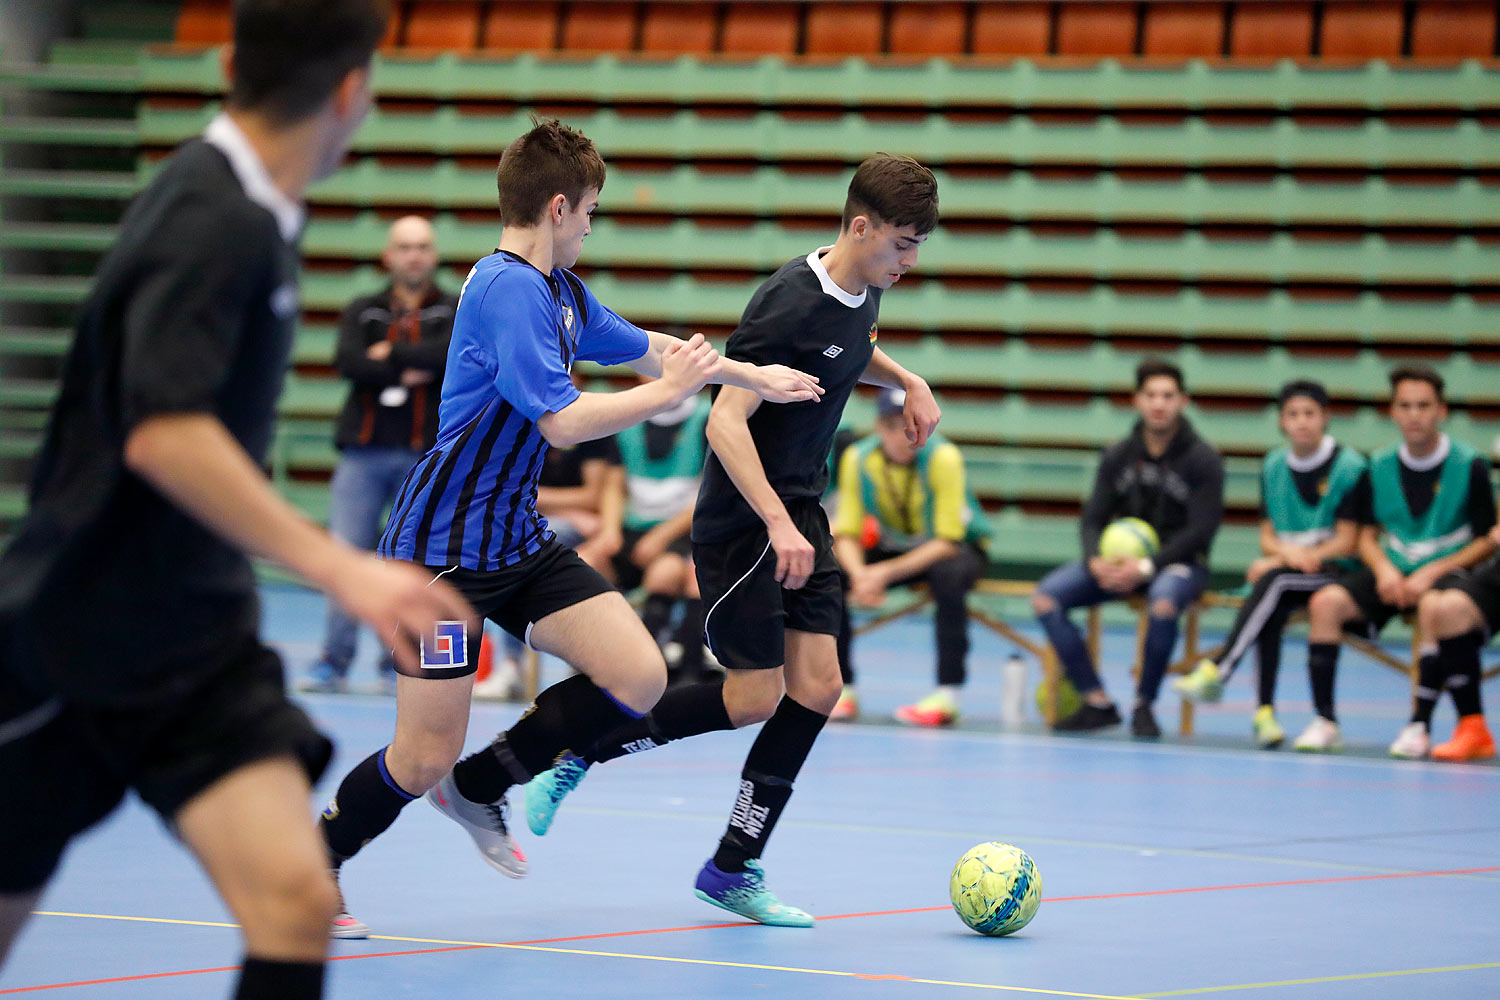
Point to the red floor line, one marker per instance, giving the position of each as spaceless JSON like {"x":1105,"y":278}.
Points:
{"x":1051,"y":899}
{"x":837,"y":916}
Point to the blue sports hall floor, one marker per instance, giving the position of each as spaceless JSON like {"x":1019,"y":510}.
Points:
{"x":1179,"y":869}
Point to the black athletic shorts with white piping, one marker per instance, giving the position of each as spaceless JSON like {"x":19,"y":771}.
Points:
{"x":748,"y":610}
{"x":515,"y":598}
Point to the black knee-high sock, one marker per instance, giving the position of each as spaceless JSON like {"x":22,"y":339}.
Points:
{"x":655,"y":612}
{"x":367,"y":802}
{"x":1460,"y":655}
{"x":690,"y":636}
{"x":1430,"y":677}
{"x":1268,"y":657}
{"x":267,"y":979}
{"x":684,"y":711}
{"x":766,"y":782}
{"x":1322,"y":665}
{"x":569,"y":715}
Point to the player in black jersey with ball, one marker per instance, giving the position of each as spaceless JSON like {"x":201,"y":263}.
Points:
{"x":761,"y":542}
{"x":129,"y":656}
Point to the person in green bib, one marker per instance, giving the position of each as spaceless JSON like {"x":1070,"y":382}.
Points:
{"x":1314,"y":496}
{"x":663,"y":460}
{"x":904,"y":514}
{"x":1432,"y":509}
{"x":1459,"y":622}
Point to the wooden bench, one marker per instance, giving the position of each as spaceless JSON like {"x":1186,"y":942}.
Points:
{"x":1192,"y":650}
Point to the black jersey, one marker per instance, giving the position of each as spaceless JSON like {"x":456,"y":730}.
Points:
{"x":801,"y":318}
{"x":109,"y":592}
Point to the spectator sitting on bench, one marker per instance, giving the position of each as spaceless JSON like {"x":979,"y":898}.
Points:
{"x":1314,"y":496}
{"x":1432,"y":509}
{"x":1168,"y":476}
{"x":1456,"y":624}
{"x":905,"y":514}
{"x":663,"y":459}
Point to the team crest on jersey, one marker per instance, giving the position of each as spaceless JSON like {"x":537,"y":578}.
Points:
{"x":568,"y":318}
{"x":1322,"y":487}
{"x":447,"y":647}
{"x":874,"y":332}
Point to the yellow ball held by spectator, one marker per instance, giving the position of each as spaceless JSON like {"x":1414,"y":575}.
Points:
{"x":1129,"y":538}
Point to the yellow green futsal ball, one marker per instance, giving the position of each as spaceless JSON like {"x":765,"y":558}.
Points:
{"x":995,"y":889}
{"x":1129,"y":538}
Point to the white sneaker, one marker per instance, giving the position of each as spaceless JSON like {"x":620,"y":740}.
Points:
{"x":1413,"y":742}
{"x":1320,"y":736}
{"x":344,"y":926}
{"x":485,"y":823}
{"x":503,"y":683}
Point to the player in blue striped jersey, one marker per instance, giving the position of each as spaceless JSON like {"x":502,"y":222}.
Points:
{"x":467,"y":511}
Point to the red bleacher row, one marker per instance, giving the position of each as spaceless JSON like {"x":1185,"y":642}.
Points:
{"x":1439,"y":30}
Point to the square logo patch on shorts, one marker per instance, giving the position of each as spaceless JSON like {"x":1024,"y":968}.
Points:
{"x":447,"y":647}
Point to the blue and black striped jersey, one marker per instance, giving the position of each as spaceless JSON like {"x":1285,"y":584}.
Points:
{"x":471,"y":500}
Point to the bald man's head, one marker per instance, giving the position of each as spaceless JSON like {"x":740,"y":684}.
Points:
{"x":411,"y":254}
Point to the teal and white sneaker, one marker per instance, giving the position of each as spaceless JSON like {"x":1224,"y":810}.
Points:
{"x":545,"y":792}
{"x":1202,"y":684}
{"x":745,"y":893}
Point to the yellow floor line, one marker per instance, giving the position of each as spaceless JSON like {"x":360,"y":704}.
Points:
{"x":760,"y":968}
{"x":1325,"y":979}
{"x":145,"y":920}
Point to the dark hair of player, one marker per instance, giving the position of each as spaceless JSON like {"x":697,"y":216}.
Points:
{"x":549,"y":160}
{"x":893,"y":190}
{"x":1419,"y":373}
{"x":1305,"y":388}
{"x":1152,"y":367}
{"x":290,"y":55}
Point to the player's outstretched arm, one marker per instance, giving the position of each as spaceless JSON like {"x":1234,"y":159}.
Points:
{"x":685,"y":368}
{"x":729,"y":436}
{"x":193,"y":460}
{"x":922,"y":412}
{"x":773,"y":383}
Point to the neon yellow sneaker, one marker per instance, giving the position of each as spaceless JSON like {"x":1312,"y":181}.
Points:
{"x":1268,"y":732}
{"x":937,"y":709}
{"x":1202,"y":683}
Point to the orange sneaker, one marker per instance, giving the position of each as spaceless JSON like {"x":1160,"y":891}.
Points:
{"x":847,"y":708}
{"x":1471,"y":741}
{"x":937,"y":709}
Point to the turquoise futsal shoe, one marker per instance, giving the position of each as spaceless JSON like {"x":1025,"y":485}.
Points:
{"x":545,"y":792}
{"x":745,"y":893}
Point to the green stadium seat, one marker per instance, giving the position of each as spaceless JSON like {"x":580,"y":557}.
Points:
{"x":34,"y":342}
{"x":72,"y":184}
{"x":856,"y":83}
{"x":1020,"y":195}
{"x":70,"y":131}
{"x":768,"y":136}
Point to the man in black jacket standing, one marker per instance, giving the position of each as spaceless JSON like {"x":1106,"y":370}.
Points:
{"x":1166,"y":475}
{"x":392,"y":347}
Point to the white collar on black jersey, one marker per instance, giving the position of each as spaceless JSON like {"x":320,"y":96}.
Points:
{"x":225,"y":136}
{"x":1426,"y":462}
{"x":831,"y":287}
{"x":1322,"y":453}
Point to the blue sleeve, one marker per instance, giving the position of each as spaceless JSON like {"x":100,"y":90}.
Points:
{"x":518,"y":320}
{"x":609,"y":339}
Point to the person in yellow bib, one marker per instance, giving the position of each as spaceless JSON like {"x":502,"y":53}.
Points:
{"x":906,"y":514}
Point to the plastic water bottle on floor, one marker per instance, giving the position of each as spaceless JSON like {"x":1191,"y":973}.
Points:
{"x":1013,"y":692}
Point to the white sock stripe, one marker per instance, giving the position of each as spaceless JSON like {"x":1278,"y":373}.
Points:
{"x":1296,"y":583}
{"x":709,"y":617}
{"x":29,"y":722}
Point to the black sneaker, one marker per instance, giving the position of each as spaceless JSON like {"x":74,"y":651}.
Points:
{"x":1143,"y":724}
{"x":1088,"y":718}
